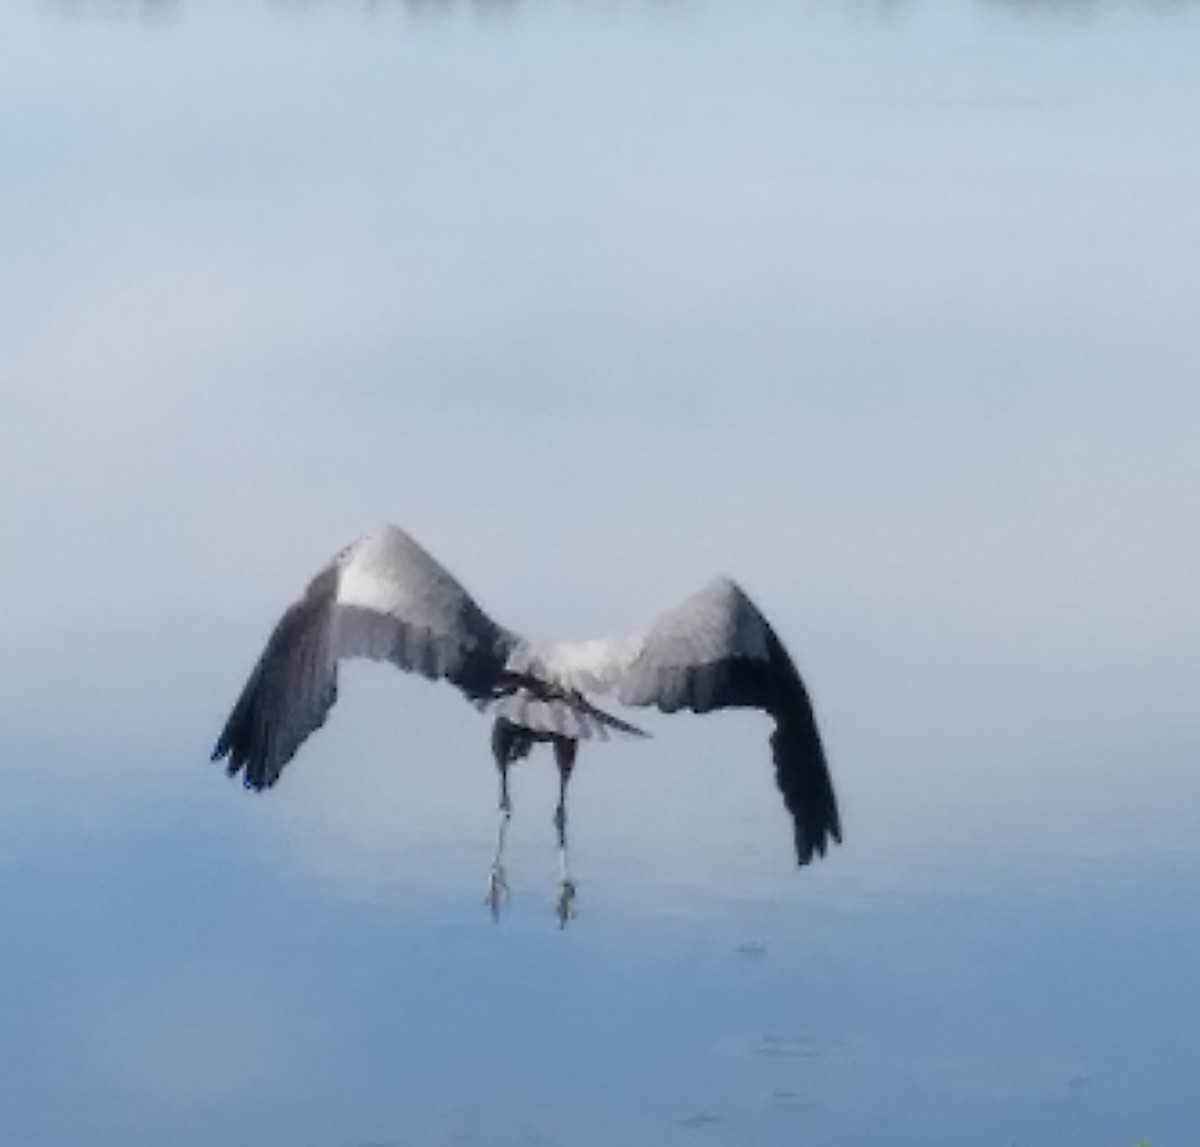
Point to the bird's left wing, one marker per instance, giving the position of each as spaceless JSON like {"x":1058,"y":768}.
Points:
{"x":383,"y":598}
{"x":715,"y":651}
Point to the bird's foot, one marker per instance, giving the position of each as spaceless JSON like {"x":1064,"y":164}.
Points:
{"x":566,"y":903}
{"x":497,"y":891}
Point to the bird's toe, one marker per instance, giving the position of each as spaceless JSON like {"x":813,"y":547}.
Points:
{"x":566,"y":903}
{"x":497,"y":891}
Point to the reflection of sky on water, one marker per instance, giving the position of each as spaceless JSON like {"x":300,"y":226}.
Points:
{"x":1003,"y":1015}
{"x":892,"y":319}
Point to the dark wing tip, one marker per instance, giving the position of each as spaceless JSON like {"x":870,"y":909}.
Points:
{"x":814,"y":810}
{"x":811,"y":847}
{"x":242,"y":751}
{"x":803,"y":778}
{"x":288,"y":694}
{"x":817,"y":825}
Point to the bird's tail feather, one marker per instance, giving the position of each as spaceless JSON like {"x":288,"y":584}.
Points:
{"x":608,"y":721}
{"x":561,"y":714}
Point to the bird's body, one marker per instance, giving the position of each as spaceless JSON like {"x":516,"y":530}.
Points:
{"x":385,"y":598}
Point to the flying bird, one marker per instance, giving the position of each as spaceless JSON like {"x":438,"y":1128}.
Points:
{"x":387,"y":599}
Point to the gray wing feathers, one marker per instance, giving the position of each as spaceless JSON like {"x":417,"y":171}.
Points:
{"x":289,"y":693}
{"x":383,"y":598}
{"x":717,"y":651}
{"x":684,"y":659}
{"x":395,"y":602}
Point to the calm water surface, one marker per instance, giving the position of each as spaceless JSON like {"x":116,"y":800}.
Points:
{"x":888,"y":309}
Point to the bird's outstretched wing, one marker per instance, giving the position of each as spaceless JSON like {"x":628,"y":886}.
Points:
{"x":714,"y":651}
{"x":382,"y":598}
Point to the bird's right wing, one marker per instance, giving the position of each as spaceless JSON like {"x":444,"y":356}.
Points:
{"x":383,"y":598}
{"x":714,"y":651}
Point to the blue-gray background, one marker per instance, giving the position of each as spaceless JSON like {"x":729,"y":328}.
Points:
{"x":889,"y":310}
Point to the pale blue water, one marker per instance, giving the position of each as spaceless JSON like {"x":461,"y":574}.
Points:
{"x":886,"y":309}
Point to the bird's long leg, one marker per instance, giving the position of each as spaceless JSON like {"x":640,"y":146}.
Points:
{"x":497,"y":889}
{"x":564,"y":755}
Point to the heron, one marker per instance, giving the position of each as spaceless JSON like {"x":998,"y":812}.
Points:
{"x":386,"y":598}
